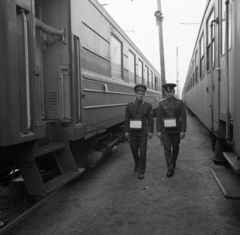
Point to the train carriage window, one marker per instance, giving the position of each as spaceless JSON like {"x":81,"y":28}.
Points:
{"x":196,"y":67}
{"x":193,"y":64}
{"x":201,"y":57}
{"x":132,"y":67}
{"x":145,"y":78}
{"x":140,"y":72}
{"x":210,"y":41}
{"x":116,"y":57}
{"x":151,"y":80}
{"x":154,"y":82}
{"x":224,"y":26}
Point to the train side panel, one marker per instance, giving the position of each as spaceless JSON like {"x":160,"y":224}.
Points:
{"x":236,"y":63}
{"x":105,"y":90}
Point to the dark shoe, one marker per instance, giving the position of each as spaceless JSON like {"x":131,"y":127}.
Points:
{"x":170,"y":173}
{"x":136,"y":169}
{"x":141,"y":176}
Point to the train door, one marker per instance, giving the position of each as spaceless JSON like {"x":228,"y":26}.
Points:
{"x":52,"y":59}
{"x":213,"y":64}
{"x":226,"y":61}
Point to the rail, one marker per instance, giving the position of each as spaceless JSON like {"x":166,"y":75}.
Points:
{"x":26,"y":62}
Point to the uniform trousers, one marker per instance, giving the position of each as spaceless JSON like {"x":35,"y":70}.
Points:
{"x":139,"y":143}
{"x":171,"y":148}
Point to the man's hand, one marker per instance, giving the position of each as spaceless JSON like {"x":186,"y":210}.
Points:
{"x":159,"y":135}
{"x":182,"y":135}
{"x":150,"y":135}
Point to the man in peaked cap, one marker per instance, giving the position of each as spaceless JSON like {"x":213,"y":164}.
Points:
{"x":171,"y":125}
{"x":138,"y":127}
{"x":169,"y":86}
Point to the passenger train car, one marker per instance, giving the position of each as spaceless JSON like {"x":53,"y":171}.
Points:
{"x":67,"y":72}
{"x":212,"y":86}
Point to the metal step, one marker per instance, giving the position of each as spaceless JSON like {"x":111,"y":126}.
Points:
{"x":42,"y":150}
{"x":228,"y":181}
{"x":61,"y":180}
{"x":233,"y":160}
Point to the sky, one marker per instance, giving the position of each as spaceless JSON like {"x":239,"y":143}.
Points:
{"x":181,"y":24}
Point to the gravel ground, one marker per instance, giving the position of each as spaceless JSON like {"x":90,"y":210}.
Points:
{"x":110,"y":199}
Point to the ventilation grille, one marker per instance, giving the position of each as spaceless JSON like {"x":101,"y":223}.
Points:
{"x":53,"y":101}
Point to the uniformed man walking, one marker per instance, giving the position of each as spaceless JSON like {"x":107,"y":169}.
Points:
{"x":171,"y":125}
{"x":139,"y":127}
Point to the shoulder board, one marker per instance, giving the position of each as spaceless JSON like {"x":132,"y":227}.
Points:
{"x":163,"y":99}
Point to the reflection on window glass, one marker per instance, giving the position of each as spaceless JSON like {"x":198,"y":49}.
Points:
{"x":131,"y":61}
{"x":116,"y":58}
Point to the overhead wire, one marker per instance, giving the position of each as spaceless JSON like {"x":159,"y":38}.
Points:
{"x":149,"y":53}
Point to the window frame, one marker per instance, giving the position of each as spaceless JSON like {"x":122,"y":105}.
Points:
{"x":210,"y":41}
{"x":134,"y":66}
{"x":223,"y":28}
{"x":201,"y":58}
{"x":196,"y":66}
{"x":140,"y":69}
{"x":121,"y":55}
{"x":146,"y":68}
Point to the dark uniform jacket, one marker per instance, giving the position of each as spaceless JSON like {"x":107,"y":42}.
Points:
{"x":173,"y":109}
{"x":144,"y":112}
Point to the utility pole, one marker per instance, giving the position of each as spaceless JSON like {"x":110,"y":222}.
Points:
{"x":177,"y":80}
{"x":159,"y":19}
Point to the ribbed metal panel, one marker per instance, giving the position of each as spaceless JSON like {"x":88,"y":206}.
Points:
{"x":228,"y":181}
{"x":233,"y":160}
